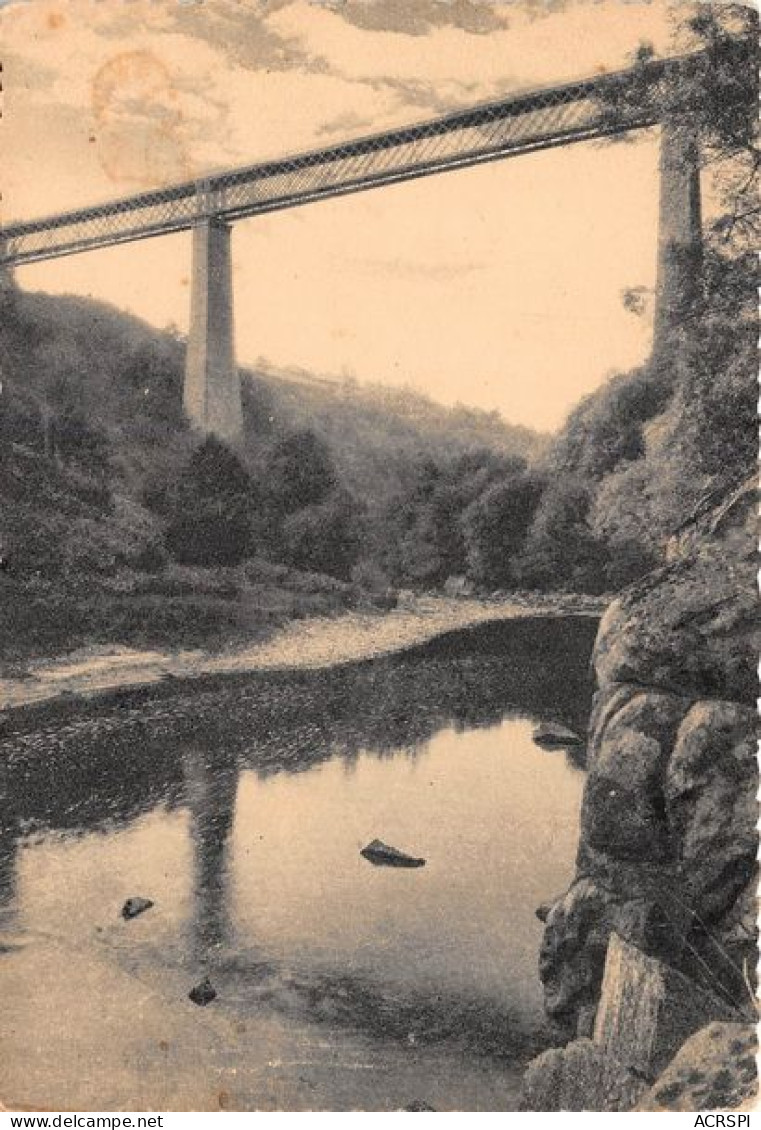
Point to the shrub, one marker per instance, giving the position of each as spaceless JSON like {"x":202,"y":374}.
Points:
{"x":496,"y":526}
{"x":209,"y":510}
{"x":325,"y":538}
{"x":298,"y":472}
{"x":561,"y":550}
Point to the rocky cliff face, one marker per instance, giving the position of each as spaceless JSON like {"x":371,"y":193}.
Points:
{"x":668,"y":839}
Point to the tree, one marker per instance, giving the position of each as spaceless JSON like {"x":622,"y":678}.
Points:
{"x":561,"y":550}
{"x":209,"y":510}
{"x":712,"y":94}
{"x":80,"y":444}
{"x":496,"y":525}
{"x":607,"y":428}
{"x":625,"y":517}
{"x":714,"y":421}
{"x":716,"y":429}
{"x":720,"y":94}
{"x":152,"y":378}
{"x":298,"y":472}
{"x":425,"y":527}
{"x":325,"y":538}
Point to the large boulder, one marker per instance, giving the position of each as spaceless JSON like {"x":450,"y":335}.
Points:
{"x":710,"y":792}
{"x":623,"y":804}
{"x":648,"y":1009}
{"x":578,"y":929}
{"x":578,"y":1077}
{"x":714,"y":1070}
{"x":692,"y":626}
{"x":710,"y":795}
{"x":572,"y":956}
{"x":667,"y":850}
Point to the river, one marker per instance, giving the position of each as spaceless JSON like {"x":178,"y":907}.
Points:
{"x":240,"y":806}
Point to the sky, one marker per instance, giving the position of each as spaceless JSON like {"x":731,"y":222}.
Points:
{"x":498,"y":287}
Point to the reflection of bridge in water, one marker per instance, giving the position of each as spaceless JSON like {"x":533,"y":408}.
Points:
{"x":599,"y":107}
{"x":210,"y":790}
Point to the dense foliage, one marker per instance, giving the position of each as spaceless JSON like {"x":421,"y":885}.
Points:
{"x":97,"y":396}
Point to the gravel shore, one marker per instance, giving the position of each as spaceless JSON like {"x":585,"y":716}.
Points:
{"x":310,"y":643}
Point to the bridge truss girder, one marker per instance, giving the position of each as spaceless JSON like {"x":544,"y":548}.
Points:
{"x":521,"y":124}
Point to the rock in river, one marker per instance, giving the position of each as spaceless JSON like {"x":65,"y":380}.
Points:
{"x":204,"y":993}
{"x":551,"y":735}
{"x":384,"y":856}
{"x":135,"y":905}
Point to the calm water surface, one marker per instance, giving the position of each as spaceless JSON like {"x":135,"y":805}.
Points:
{"x":240,"y":809}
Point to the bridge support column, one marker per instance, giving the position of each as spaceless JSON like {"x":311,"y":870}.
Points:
{"x":680,"y":238}
{"x":7,"y":283}
{"x":212,"y":384}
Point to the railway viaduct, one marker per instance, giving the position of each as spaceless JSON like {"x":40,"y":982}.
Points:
{"x":599,"y":107}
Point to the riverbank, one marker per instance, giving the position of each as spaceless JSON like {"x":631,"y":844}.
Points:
{"x":308,"y":643}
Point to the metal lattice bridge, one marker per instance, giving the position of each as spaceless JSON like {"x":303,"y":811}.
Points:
{"x":525,"y":123}
{"x":598,"y":107}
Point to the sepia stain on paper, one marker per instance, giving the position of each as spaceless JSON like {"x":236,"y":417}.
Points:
{"x":55,"y":20}
{"x":138,"y":121}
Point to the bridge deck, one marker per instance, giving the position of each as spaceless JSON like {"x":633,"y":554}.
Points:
{"x":524,"y":123}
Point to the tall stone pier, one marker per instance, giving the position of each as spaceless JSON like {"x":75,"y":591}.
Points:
{"x":7,"y":282}
{"x":212,"y":384}
{"x":680,"y":237}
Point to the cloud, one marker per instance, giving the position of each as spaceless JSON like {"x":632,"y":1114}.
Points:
{"x":241,"y":33}
{"x":449,"y":58}
{"x":345,"y":124}
{"x":432,"y":98}
{"x":419,"y":17}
